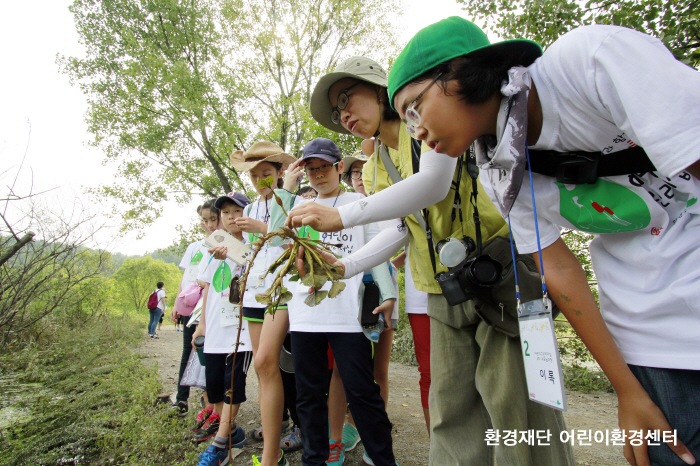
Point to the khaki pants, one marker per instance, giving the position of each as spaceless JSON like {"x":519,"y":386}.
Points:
{"x":478,"y":383}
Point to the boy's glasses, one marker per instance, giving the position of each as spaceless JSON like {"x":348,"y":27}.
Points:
{"x":343,"y":101}
{"x":355,"y":175}
{"x":413,"y":118}
{"x":325,"y":168}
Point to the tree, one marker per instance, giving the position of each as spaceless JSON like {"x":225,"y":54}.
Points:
{"x":136,"y":279}
{"x":48,"y":276}
{"x":174,"y":86}
{"x":676,"y":23}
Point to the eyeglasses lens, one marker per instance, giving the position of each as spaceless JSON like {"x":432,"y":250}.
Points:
{"x":343,"y":100}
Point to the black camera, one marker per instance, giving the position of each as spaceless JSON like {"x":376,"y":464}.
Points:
{"x":469,"y":279}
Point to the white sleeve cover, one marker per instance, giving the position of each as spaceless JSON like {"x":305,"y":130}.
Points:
{"x":376,"y":251}
{"x":427,"y":187}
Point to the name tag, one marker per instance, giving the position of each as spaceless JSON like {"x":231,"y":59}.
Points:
{"x":545,"y":381}
{"x":229,"y":315}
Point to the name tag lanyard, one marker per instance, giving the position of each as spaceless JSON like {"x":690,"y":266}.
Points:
{"x":538,"y":341}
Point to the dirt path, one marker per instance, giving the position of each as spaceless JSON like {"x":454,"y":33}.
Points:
{"x":586,"y":412}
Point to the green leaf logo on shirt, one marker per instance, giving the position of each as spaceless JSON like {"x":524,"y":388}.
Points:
{"x":196,"y":259}
{"x":308,"y":232}
{"x":603,"y":207}
{"x":222,"y":277}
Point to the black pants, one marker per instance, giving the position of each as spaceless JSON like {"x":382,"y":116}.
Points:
{"x":353,"y":356}
{"x":290,"y":389}
{"x":183,"y":392}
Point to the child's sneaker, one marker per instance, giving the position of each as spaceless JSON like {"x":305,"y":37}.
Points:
{"x":209,"y":428}
{"x":368,"y":460}
{"x":179,"y":409}
{"x":291,"y":441}
{"x":238,"y":439}
{"x":337,"y":454}
{"x":351,"y":437}
{"x":213,"y":456}
{"x":282,"y":461}
{"x":201,"y":418}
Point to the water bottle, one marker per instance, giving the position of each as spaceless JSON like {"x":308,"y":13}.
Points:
{"x":372,"y":324}
{"x":372,"y":333}
{"x":199,"y":344}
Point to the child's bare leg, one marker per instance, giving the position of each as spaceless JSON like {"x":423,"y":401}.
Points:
{"x":270,"y":390}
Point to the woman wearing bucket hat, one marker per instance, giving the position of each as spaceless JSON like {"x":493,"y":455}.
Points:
{"x":358,"y":90}
{"x":599,"y":89}
{"x":355,"y":100}
{"x":263,"y":160}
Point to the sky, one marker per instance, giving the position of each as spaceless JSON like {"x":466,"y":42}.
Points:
{"x":42,"y":116}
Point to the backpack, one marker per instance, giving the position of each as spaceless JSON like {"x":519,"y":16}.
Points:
{"x":188,"y":299}
{"x":152,"y":301}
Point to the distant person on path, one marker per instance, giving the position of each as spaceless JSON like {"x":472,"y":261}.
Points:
{"x":157,"y":311}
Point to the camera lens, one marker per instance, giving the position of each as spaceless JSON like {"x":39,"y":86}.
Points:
{"x":486,"y":271}
{"x":451,"y":252}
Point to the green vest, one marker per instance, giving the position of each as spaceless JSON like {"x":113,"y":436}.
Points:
{"x":492,"y":223}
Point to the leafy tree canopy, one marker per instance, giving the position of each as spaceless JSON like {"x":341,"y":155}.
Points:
{"x":174,"y":86}
{"x":676,"y":23}
{"x":136,"y":279}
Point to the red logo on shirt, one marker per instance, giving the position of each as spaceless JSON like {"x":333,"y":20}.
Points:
{"x":602,"y":209}
{"x":656,"y":231}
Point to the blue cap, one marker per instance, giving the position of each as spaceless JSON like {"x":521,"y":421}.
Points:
{"x":237,"y":198}
{"x":322,"y":148}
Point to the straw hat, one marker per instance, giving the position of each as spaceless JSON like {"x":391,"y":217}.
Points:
{"x":263,"y":151}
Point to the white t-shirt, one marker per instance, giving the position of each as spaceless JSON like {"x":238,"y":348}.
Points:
{"x":191,"y":260}
{"x":598,"y":93}
{"x":416,"y":300}
{"x":161,"y":299}
{"x":259,"y":211}
{"x":337,"y":314}
{"x":222,"y":316}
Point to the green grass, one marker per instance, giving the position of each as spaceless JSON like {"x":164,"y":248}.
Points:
{"x":96,"y":405}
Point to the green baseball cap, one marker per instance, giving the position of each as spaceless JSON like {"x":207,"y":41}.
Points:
{"x":447,"y":39}
{"x":360,"y":68}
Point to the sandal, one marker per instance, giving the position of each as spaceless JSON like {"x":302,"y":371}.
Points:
{"x":255,"y":434}
{"x":291,"y":441}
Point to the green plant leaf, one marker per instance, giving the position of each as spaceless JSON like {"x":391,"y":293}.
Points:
{"x":266,"y":182}
{"x":336,"y":289}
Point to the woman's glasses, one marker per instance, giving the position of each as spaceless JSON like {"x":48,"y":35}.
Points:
{"x":343,"y":101}
{"x":325,"y":168}
{"x":355,"y":175}
{"x":413,"y":118}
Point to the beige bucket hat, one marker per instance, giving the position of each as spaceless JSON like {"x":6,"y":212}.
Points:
{"x":349,"y":161}
{"x":262,"y":151}
{"x":360,"y":68}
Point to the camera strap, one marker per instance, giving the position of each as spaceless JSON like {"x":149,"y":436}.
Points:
{"x":456,"y":204}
